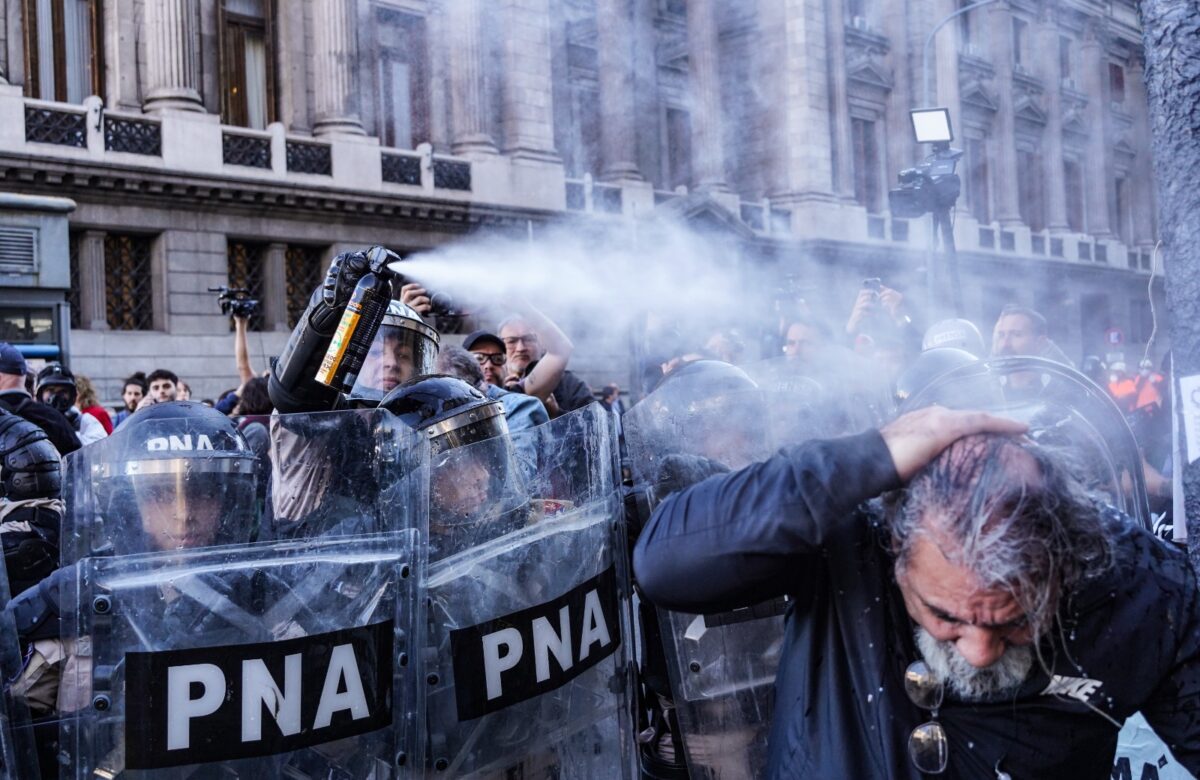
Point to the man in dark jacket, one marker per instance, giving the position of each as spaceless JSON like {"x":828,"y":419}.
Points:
{"x":16,"y":399}
{"x":992,"y":584}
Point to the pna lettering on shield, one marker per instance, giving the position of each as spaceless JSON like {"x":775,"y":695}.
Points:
{"x":211,"y":704}
{"x":535,"y":650}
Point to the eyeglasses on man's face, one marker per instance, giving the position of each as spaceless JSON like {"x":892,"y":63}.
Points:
{"x":495,"y":360}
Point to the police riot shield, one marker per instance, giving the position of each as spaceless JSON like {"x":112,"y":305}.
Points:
{"x":1064,"y":410}
{"x":17,"y":754}
{"x":709,"y":419}
{"x":526,"y":664}
{"x":206,"y":635}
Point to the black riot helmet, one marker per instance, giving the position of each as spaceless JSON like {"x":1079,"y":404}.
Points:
{"x":30,"y":466}
{"x":929,"y":365}
{"x":176,"y":475}
{"x":474,"y":485}
{"x":449,"y":411}
{"x":403,"y":348}
{"x":58,"y":384}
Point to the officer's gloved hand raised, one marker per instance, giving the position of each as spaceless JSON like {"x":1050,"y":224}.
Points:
{"x":344,"y":273}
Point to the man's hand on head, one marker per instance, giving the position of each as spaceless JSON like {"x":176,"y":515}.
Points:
{"x":916,"y":438}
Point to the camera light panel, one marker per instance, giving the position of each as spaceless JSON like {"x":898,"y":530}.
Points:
{"x":932,"y":125}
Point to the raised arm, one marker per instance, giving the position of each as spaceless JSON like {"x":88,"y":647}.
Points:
{"x":241,"y":349}
{"x":557,"y":349}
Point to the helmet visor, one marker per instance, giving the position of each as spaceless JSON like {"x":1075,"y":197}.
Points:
{"x":398,"y":353}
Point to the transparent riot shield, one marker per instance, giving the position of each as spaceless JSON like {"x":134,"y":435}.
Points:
{"x":265,"y":660}
{"x":526,"y":662}
{"x":191,"y":649}
{"x":1064,"y":411}
{"x":707,"y":420}
{"x":18,"y":757}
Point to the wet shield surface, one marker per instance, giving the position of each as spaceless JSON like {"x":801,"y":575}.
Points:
{"x":711,"y":418}
{"x":242,"y":612}
{"x":526,"y":663}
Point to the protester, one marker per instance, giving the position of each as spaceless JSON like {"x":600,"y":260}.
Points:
{"x":89,"y":404}
{"x":521,"y":411}
{"x":489,"y":350}
{"x":970,"y":619}
{"x":16,"y":398}
{"x":254,"y":407}
{"x":610,"y":399}
{"x":538,"y":353}
{"x":163,"y":385}
{"x":1020,"y":330}
{"x":133,"y":390}
{"x":183,"y":392}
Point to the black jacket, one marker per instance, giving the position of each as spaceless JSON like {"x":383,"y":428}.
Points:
{"x":793,"y":525}
{"x":57,"y":427}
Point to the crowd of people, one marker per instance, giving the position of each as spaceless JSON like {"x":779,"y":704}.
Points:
{"x":723,"y":532}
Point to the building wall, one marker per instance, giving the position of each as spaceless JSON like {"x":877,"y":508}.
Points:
{"x":792,"y":114}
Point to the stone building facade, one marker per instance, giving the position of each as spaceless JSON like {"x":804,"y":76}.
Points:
{"x":244,"y":142}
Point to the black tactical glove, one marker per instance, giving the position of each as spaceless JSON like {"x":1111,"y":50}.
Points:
{"x":293,"y":385}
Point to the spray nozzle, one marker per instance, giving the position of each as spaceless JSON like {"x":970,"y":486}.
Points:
{"x":380,"y":260}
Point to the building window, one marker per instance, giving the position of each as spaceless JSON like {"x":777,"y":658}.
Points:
{"x":864,"y":136}
{"x":403,"y":84}
{"x":73,"y":292}
{"x":1031,"y":202}
{"x":583,"y":152}
{"x":129,"y":281}
{"x":303,"y":273}
{"x":1116,"y":82}
{"x":245,"y":264}
{"x":1121,"y":207}
{"x":679,"y":148}
{"x":1073,"y":178}
{"x":978,"y":195}
{"x":1066,"y":60}
{"x":62,"y":45}
{"x":247,"y":64}
{"x":1019,"y":27}
{"x":858,"y":13}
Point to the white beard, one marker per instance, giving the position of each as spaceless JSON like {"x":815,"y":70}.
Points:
{"x":967,"y":682}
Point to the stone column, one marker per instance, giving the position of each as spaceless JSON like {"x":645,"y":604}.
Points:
{"x":1097,"y":170}
{"x":335,"y":68}
{"x":796,"y":93}
{"x":839,"y":108}
{"x":274,"y":289}
{"x":528,"y":88}
{"x":708,"y":120}
{"x":1054,"y":184}
{"x":1142,"y":195}
{"x":93,"y":303}
{"x":468,"y":82}
{"x":618,"y":135}
{"x":1000,"y":32}
{"x":172,"y":33}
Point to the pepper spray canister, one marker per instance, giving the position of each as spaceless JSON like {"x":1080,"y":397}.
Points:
{"x":359,"y":324}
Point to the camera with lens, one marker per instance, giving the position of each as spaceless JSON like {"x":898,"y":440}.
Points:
{"x":235,"y":301}
{"x":931,"y":186}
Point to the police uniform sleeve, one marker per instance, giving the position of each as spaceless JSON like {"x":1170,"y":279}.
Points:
{"x":1173,"y":711}
{"x":737,"y":539}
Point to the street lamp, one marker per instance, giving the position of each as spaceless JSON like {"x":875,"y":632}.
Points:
{"x":926,"y":97}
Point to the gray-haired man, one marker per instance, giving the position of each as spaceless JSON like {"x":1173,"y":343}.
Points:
{"x":990,"y":620}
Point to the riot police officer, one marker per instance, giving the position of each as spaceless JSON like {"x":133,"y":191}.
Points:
{"x":30,"y":501}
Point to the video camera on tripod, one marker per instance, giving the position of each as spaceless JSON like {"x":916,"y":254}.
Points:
{"x":235,"y":301}
{"x":932,"y":186}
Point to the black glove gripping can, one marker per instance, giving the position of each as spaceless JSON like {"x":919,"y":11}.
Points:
{"x":359,"y":324}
